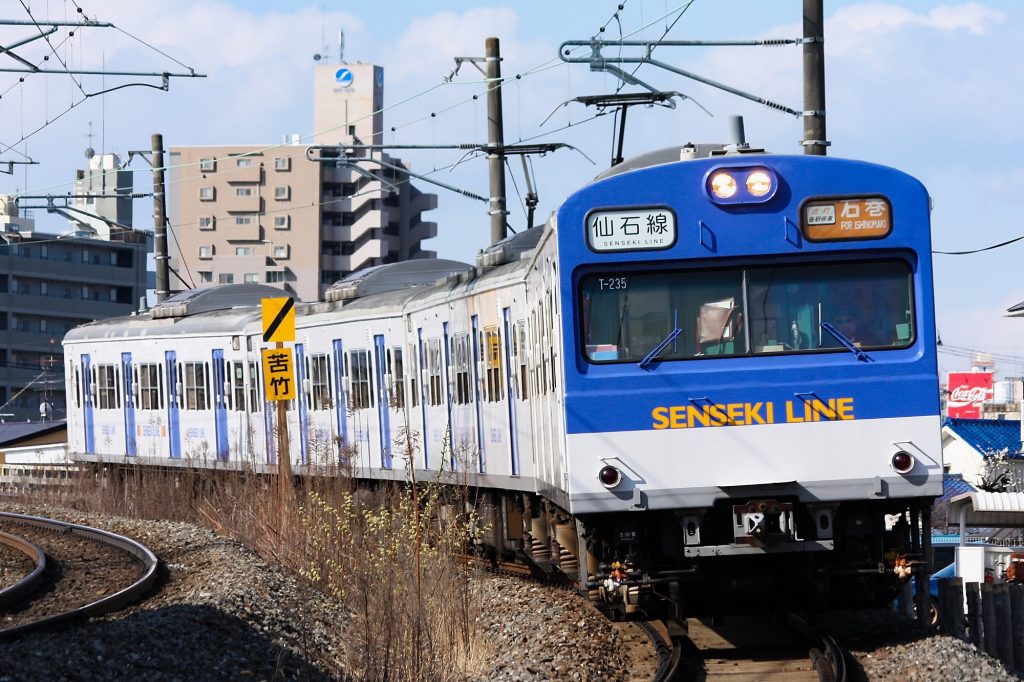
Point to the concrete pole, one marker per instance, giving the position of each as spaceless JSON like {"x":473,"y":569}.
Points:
{"x":495,"y":142}
{"x":159,"y":219}
{"x":814,"y":141}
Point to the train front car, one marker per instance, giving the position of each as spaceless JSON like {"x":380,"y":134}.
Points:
{"x":752,"y":403}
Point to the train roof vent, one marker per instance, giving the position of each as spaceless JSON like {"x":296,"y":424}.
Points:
{"x":510,"y":249}
{"x":222,"y":297}
{"x":394,"y":276}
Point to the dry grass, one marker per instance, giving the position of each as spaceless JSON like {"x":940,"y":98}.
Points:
{"x":390,"y":553}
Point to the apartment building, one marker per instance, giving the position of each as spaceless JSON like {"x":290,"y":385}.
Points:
{"x":50,"y":283}
{"x":270,"y":214}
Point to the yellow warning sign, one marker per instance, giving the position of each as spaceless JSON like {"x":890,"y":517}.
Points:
{"x":278,"y":319}
{"x":278,"y":373}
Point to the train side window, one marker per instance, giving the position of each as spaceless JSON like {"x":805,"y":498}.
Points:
{"x":414,"y":394}
{"x":359,"y":377}
{"x":460,"y":349}
{"x":492,"y":365}
{"x":434,"y":370}
{"x":398,"y":377}
{"x":150,"y":387}
{"x":254,"y":388}
{"x":238,"y":385}
{"x":195,"y":385}
{"x":78,"y":387}
{"x":519,"y":344}
{"x":225,"y":383}
{"x":320,"y":383}
{"x":106,"y":387}
{"x":118,"y":386}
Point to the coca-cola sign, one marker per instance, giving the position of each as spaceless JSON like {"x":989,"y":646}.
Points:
{"x":966,"y":392}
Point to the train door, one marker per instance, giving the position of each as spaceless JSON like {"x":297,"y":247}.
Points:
{"x":522,"y":435}
{"x":300,"y":399}
{"x":510,"y":396}
{"x":87,"y":405}
{"x":383,"y":403}
{"x":477,"y":401}
{"x":220,"y":410}
{"x":129,"y":404}
{"x":173,"y":415}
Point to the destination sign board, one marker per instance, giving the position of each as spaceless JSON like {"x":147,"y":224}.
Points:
{"x":639,"y":229}
{"x":845,"y":219}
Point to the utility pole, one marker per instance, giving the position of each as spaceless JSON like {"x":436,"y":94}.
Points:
{"x":495,"y":141}
{"x":159,"y":219}
{"x":814,"y":141}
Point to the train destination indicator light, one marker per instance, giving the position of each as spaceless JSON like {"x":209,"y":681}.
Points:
{"x":830,"y":220}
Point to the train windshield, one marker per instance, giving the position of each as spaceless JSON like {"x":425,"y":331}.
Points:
{"x":740,"y":311}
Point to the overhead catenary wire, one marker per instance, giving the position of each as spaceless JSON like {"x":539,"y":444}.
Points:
{"x":543,"y":66}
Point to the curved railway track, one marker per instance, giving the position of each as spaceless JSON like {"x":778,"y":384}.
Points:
{"x":76,"y":572}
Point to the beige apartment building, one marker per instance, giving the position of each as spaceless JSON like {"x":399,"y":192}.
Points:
{"x":269,"y":214}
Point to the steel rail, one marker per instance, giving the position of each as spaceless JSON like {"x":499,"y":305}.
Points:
{"x":29,"y":583}
{"x":106,"y":604}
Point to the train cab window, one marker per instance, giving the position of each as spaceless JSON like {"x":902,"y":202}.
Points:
{"x":195,"y":385}
{"x":460,"y":353}
{"x":319,"y":382}
{"x":743,"y":311}
{"x":359,"y":376}
{"x":491,"y":353}
{"x":151,"y":384}
{"x":435,"y":368}
{"x":398,"y":377}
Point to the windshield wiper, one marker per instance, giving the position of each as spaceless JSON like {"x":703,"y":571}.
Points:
{"x":847,"y":343}
{"x":650,"y":357}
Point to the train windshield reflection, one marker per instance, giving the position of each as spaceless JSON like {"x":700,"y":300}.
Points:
{"x":746,"y":311}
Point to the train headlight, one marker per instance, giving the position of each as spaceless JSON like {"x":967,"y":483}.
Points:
{"x":759,"y":183}
{"x":609,"y":476}
{"x":902,"y":462}
{"x":723,"y":185}
{"x":739,"y":185}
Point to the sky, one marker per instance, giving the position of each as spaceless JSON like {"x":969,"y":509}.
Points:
{"x":927,"y":87}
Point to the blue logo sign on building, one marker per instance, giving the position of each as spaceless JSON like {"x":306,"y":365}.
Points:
{"x":343,"y":77}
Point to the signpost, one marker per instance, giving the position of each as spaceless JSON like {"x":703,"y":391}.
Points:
{"x":279,"y":376}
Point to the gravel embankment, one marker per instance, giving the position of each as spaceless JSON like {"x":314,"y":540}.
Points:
{"x":222,"y":613}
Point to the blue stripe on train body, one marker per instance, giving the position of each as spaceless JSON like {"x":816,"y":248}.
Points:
{"x":623,"y":397}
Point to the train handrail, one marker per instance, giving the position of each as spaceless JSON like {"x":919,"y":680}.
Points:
{"x":106,"y":604}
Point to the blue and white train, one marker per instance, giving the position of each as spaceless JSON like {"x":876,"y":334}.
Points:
{"x":710,"y":379}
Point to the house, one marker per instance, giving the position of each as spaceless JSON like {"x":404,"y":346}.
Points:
{"x":33,"y":453}
{"x":968,"y":443}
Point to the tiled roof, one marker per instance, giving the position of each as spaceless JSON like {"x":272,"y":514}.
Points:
{"x":988,"y":435}
{"x":954,"y":484}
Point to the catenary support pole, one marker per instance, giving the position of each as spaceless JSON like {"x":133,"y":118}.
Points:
{"x":495,"y":141}
{"x":159,"y":219}
{"x":814,"y":141}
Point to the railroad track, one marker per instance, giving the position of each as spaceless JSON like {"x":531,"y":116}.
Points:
{"x":72,"y":572}
{"x":751,"y":648}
